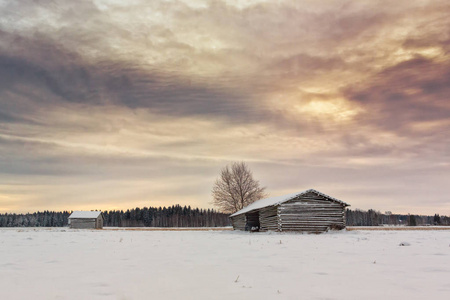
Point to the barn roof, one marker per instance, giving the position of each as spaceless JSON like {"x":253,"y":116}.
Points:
{"x":281,"y":199}
{"x":85,"y":214}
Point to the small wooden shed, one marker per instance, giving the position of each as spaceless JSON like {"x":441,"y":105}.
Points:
{"x":86,"y":220}
{"x":310,"y":211}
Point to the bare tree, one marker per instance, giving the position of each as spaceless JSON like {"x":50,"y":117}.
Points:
{"x":235,"y":188}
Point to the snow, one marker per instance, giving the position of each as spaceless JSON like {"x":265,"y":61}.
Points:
{"x":280,"y":199}
{"x":115,"y":264}
{"x":84,"y":214}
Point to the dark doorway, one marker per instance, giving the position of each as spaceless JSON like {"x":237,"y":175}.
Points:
{"x":252,"y":223}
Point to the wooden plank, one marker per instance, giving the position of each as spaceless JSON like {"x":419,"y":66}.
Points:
{"x":311,"y":214}
{"x":82,"y":223}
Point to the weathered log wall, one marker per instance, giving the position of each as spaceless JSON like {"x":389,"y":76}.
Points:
{"x":99,"y":223}
{"x":238,"y":222}
{"x":87,"y":223}
{"x":268,"y":218}
{"x":312,"y":213}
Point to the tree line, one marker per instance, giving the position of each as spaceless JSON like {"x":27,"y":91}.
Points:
{"x":177,"y":216}
{"x":375,"y":218}
{"x":173,"y":216}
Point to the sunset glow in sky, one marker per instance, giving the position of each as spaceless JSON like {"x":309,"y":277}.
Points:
{"x":108,"y":104}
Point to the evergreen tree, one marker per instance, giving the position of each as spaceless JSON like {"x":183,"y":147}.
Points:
{"x":437,"y":219}
{"x":412,"y":220}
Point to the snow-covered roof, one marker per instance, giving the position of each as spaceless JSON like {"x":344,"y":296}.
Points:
{"x":84,"y":214}
{"x":281,"y":199}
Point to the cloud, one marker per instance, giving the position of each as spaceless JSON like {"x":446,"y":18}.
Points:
{"x":67,"y":77}
{"x":165,"y":93}
{"x":411,"y":91}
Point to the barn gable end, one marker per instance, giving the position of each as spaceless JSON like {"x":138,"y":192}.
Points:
{"x":312,"y":213}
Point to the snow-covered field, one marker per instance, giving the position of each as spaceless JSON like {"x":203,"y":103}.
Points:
{"x":106,"y":264}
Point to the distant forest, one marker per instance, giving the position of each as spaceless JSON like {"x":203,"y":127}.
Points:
{"x":173,"y":216}
{"x":177,"y":216}
{"x":376,"y":218}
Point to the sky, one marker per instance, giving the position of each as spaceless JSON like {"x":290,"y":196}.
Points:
{"x":108,"y":104}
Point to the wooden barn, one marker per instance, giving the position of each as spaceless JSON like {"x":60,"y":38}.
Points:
{"x":310,"y":211}
{"x":86,"y":220}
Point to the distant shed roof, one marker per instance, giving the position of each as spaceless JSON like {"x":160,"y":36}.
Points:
{"x":85,"y":214}
{"x":281,"y":199}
